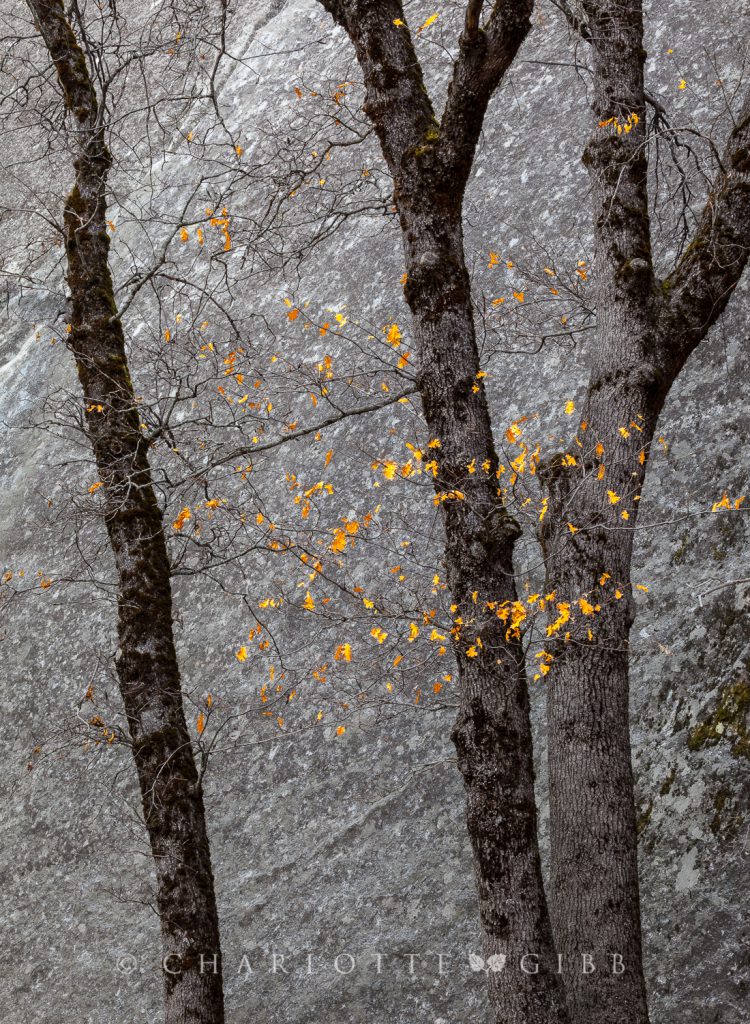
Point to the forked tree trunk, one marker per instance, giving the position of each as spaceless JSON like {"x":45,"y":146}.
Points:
{"x":147,"y":666}
{"x":430,"y":164}
{"x":645,"y":333}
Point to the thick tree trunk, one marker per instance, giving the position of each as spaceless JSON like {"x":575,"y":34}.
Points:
{"x":594,"y":896}
{"x":645,"y":332}
{"x":492,"y":735}
{"x":146,"y":664}
{"x":430,"y":163}
{"x":594,"y":881}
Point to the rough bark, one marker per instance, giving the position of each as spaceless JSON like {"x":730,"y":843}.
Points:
{"x":430,"y":163}
{"x":645,"y":332}
{"x":147,"y":666}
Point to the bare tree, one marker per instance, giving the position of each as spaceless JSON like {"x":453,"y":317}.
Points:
{"x":147,"y":666}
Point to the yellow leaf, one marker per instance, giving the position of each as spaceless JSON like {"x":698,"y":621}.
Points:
{"x":570,"y":408}
{"x":96,"y":486}
{"x":308,"y":604}
{"x":343,"y":653}
{"x":341,"y":730}
{"x":241,"y":655}
{"x":394,"y":336}
{"x":683,"y":84}
{"x":573,"y":529}
{"x":339,"y":541}
{"x":430,"y":21}
{"x":518,"y":296}
{"x":200,"y":725}
{"x":379,"y":634}
{"x":563,"y":616}
{"x":613,"y":498}
{"x":181,"y":519}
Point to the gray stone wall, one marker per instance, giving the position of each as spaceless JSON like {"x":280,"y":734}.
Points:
{"x":355,"y":844}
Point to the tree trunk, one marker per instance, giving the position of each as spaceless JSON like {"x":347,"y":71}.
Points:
{"x":146,"y":664}
{"x":430,"y":163}
{"x":594,"y":879}
{"x":492,"y":734}
{"x":645,"y":333}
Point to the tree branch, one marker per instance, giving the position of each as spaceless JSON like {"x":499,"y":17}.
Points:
{"x":699,"y":287}
{"x":473,"y":14}
{"x":306,"y":431}
{"x":484,"y":57}
{"x":397,"y":101}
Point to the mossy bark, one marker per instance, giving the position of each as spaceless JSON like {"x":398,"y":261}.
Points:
{"x":430,"y":165}
{"x":147,"y":666}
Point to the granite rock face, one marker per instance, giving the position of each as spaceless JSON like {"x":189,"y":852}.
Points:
{"x":353,"y":845}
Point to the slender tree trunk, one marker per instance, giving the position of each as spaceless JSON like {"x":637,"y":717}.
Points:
{"x":146,"y":664}
{"x":430,"y":163}
{"x":645,"y":333}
